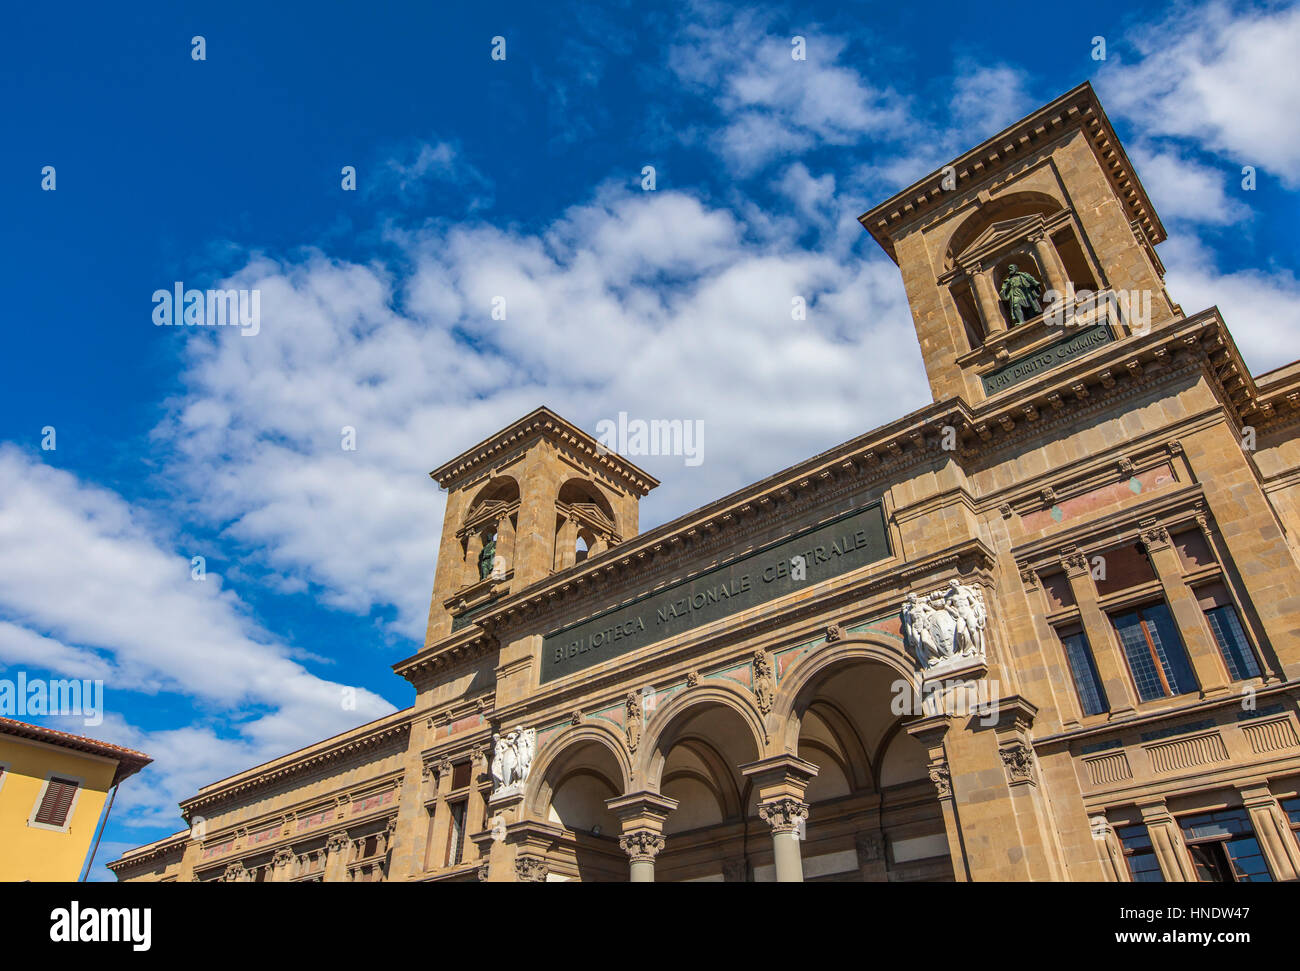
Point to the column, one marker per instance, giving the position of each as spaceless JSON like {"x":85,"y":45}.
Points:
{"x":473,"y":547}
{"x":1111,"y":666}
{"x":1112,"y":854}
{"x":477,"y":807}
{"x":986,"y":297}
{"x":781,"y":782}
{"x":930,"y":732}
{"x":641,"y":816}
{"x":566,"y":543}
{"x":1274,"y":835}
{"x":1167,"y":841}
{"x":506,"y":541}
{"x":441,"y":816}
{"x":1050,"y":261}
{"x":336,"y":857}
{"x":1201,"y":649}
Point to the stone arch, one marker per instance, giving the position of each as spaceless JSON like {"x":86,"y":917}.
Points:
{"x":563,"y":755}
{"x":502,"y":487}
{"x":799,"y":683}
{"x":667,"y":725}
{"x":578,"y":489}
{"x":1011,"y":206}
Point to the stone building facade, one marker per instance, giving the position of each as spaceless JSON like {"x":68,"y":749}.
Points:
{"x":1044,"y":628}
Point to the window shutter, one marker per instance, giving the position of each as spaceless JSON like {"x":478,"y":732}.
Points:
{"x":56,"y":802}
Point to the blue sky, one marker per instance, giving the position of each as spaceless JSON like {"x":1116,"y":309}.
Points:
{"x":479,"y":178}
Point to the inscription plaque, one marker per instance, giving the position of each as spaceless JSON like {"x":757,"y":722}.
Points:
{"x":843,"y":544}
{"x":1046,"y":359}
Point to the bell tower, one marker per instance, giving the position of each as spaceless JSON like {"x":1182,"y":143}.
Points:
{"x":538,"y":496}
{"x":1031,"y":249}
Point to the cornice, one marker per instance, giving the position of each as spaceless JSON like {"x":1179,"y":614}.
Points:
{"x":539,"y":424}
{"x":172,"y":844}
{"x":310,"y":759}
{"x":1077,"y":109}
{"x":1121,"y":370}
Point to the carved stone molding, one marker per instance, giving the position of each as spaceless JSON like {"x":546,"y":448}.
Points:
{"x":942,"y":780}
{"x":483,"y":873}
{"x":529,"y":869}
{"x":1074,"y":561}
{"x":632,"y":730}
{"x":641,"y":845}
{"x":283,"y":857}
{"x":337,"y":842}
{"x":783,"y":815}
{"x":764,"y":690}
{"x":692,"y":679}
{"x":1018,"y":759}
{"x":834,"y":633}
{"x":870,"y":847}
{"x":235,"y":873}
{"x":1154,"y":533}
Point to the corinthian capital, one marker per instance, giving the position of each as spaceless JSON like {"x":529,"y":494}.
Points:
{"x":641,"y":845}
{"x":783,"y":815}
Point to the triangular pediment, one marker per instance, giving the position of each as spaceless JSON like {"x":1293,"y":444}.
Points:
{"x":999,"y":233}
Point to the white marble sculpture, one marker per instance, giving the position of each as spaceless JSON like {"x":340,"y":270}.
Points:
{"x":512,"y":757}
{"x":945,"y":625}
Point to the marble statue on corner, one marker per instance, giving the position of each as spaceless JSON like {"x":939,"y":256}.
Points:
{"x":512,"y":758}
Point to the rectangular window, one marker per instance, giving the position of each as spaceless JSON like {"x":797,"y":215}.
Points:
{"x":1139,"y":854}
{"x":1155,"y":652}
{"x":1228,"y":634}
{"x":1223,"y":848}
{"x":1083,"y":668}
{"x":460,"y":775}
{"x":53,"y":810}
{"x":456,"y":837}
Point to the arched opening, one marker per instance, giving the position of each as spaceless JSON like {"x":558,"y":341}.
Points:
{"x":488,"y":531}
{"x":584,"y":523}
{"x":572,"y":795}
{"x":1005,"y":210}
{"x":873,"y":812}
{"x":714,"y":833}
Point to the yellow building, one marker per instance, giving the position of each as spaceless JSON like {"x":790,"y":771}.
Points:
{"x":52,"y":791}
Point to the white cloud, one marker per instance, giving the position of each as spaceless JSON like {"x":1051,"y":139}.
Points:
{"x":1221,"y":75}
{"x":772,"y":104}
{"x":1260,"y":307}
{"x":986,"y":99}
{"x":651,"y":303}
{"x":88,"y":590}
{"x":1184,"y":190}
